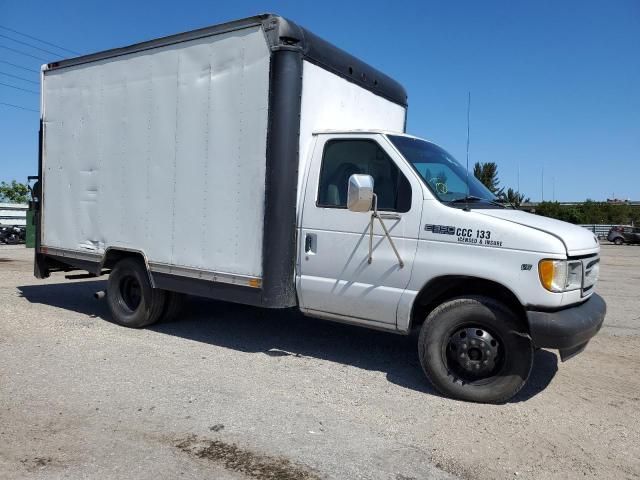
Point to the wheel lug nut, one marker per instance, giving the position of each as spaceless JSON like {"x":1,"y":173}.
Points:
{"x":462,"y":355}
{"x":473,"y":342}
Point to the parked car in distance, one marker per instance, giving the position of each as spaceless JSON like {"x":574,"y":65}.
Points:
{"x":624,"y":234}
{"x":12,"y":234}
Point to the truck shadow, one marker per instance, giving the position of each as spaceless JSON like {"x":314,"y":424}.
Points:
{"x":282,"y":333}
{"x":76,"y":296}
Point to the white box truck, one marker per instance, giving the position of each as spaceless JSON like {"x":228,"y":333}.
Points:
{"x":254,"y":162}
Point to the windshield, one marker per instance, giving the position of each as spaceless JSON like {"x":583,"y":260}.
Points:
{"x":444,"y":176}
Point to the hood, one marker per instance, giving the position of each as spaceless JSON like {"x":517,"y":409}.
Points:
{"x":577,"y":240}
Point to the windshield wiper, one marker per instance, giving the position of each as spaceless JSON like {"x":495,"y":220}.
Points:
{"x":468,"y":198}
{"x":473,"y":198}
{"x":499,"y":204}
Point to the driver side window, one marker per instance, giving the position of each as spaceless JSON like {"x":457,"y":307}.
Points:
{"x":343,"y":158}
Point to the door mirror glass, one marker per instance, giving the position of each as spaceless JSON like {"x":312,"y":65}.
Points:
{"x":360,"y":193}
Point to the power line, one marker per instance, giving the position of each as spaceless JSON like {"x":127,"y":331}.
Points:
{"x":18,"y":106}
{"x":19,"y":88}
{"x":31,"y":45}
{"x":23,"y":53}
{"x":20,"y":66}
{"x":19,"y":78}
{"x":39,"y":40}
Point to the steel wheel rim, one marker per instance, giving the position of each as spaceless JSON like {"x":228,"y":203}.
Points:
{"x":474,"y":354}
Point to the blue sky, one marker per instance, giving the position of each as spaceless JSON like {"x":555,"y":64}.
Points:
{"x":554,"y":85}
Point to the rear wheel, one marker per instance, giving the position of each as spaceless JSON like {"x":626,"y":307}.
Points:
{"x":173,"y":306}
{"x":618,"y":241}
{"x":131,"y":299}
{"x":473,"y":349}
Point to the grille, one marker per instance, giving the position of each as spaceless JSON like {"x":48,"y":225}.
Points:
{"x":590,"y":273}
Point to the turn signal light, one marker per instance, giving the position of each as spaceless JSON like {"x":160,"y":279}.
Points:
{"x":547,"y":268}
{"x":560,"y":275}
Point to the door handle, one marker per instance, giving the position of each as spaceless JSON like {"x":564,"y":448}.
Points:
{"x":310,"y":243}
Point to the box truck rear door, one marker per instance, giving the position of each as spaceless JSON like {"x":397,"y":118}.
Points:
{"x":334,"y":273}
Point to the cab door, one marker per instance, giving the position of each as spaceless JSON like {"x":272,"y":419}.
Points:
{"x":334,"y":273}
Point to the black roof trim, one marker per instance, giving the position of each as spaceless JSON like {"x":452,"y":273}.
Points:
{"x":281,"y":34}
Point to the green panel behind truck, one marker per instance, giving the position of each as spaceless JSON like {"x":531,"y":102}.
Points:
{"x":31,"y":229}
{"x":34,"y":192}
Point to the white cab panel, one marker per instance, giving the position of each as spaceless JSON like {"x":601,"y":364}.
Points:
{"x":334,"y":274}
{"x":480,"y":244}
{"x":578,"y":240}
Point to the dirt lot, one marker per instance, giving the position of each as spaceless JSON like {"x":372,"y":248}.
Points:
{"x":235,"y":392}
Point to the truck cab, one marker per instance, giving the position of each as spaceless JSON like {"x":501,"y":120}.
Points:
{"x":394,"y":234}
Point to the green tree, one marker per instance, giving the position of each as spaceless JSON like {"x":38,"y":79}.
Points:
{"x":514,"y":197}
{"x":595,"y":212}
{"x":591,"y":212}
{"x":14,"y":192}
{"x":573,"y":214}
{"x":487,"y":173}
{"x":549,"y":209}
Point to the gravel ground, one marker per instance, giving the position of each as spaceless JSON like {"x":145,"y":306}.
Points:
{"x":232,"y":392}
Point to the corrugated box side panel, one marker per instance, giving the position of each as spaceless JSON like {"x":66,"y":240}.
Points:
{"x":162,"y":151}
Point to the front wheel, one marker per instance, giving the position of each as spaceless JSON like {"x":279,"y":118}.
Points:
{"x":473,"y":349}
{"x":618,"y":241}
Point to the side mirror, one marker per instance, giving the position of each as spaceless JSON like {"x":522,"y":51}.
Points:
{"x":360,"y":193}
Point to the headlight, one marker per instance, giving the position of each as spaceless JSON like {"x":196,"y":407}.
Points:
{"x":560,"y":275}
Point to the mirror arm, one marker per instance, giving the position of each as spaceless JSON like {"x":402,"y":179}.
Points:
{"x":375,"y":214}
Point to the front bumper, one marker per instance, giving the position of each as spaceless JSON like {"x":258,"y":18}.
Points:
{"x":567,"y":330}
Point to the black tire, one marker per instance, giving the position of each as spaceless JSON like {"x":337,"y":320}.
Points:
{"x":132,"y":301}
{"x":172,"y":306}
{"x":496,"y":366}
{"x":618,"y":241}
